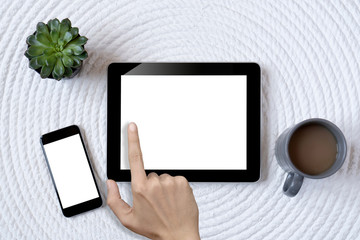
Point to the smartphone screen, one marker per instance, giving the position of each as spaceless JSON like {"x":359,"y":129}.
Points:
{"x":70,"y":170}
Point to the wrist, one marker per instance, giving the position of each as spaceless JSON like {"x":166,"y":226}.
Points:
{"x":193,"y":236}
{"x":181,"y":236}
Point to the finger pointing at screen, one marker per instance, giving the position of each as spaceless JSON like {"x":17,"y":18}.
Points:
{"x":164,"y":207}
{"x":138,"y":174}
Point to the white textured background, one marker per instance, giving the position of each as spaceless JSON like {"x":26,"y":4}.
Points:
{"x":309,"y":54}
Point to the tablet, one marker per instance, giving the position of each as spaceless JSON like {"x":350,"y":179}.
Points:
{"x":198,"y":120}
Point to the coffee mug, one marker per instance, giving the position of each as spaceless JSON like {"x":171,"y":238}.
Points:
{"x":296,"y":176}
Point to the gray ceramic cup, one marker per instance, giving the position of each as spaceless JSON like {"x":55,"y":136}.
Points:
{"x":295,"y":177}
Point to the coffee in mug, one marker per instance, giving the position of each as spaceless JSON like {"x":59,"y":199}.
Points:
{"x":315,"y":148}
{"x":312,"y":149}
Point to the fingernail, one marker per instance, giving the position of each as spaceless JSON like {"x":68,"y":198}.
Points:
{"x":132,"y":127}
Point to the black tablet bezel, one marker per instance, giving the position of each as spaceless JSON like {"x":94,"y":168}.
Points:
{"x":251,"y":70}
{"x":58,"y":135}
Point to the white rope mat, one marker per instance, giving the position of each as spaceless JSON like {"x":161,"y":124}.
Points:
{"x":309,"y":54}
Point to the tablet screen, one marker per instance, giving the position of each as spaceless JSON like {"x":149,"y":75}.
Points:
{"x":186,"y":121}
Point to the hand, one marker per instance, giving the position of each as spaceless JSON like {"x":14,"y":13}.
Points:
{"x":164,"y":207}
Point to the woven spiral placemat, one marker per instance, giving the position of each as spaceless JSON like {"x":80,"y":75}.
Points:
{"x":309,"y":54}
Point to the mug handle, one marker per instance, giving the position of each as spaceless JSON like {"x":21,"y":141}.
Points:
{"x":292,"y":184}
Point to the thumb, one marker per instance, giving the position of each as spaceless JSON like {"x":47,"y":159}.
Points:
{"x":120,"y":208}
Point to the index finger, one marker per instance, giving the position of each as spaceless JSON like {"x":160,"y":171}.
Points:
{"x":135,"y":156}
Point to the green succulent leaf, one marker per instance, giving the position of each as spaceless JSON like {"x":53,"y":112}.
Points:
{"x":31,"y":40}
{"x":74,"y":32}
{"x":37,"y":62}
{"x":77,"y":50}
{"x":65,"y":26}
{"x":77,"y":62}
{"x":82,"y":40}
{"x":79,"y":41}
{"x":54,"y":24}
{"x":83,"y":56}
{"x":67,"y":37}
{"x":54,"y":34}
{"x":68,"y":51}
{"x":42,"y":38}
{"x":68,"y":72}
{"x":35,"y":51}
{"x":46,"y":71}
{"x":60,"y":41}
{"x":67,"y":61}
{"x":55,"y":76}
{"x":49,"y":51}
{"x":41,"y":60}
{"x":33,"y":63}
{"x":54,"y":29}
{"x":42,"y":28}
{"x":59,"y":69}
{"x":49,"y":24}
{"x":27,"y":55}
{"x":50,"y":61}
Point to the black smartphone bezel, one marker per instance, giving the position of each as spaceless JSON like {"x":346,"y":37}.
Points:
{"x":251,"y":70}
{"x":58,"y":135}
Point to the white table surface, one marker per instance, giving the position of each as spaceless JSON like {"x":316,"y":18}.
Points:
{"x":309,"y":54}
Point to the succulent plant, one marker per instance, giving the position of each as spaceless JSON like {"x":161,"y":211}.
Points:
{"x":56,"y":50}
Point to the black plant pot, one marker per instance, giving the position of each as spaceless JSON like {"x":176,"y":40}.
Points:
{"x":75,"y":70}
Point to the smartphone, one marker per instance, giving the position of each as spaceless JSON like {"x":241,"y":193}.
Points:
{"x":70,"y":170}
